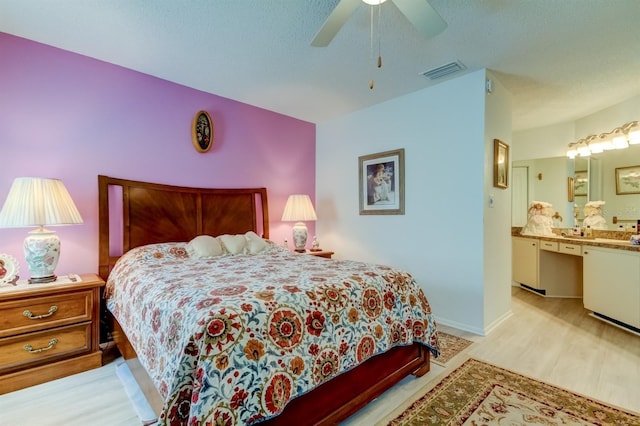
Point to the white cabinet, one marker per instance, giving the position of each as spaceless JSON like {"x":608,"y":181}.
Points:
{"x":611,"y":283}
{"x":524,"y":257}
{"x":551,"y":268}
{"x":548,"y":245}
{"x":572,"y":249}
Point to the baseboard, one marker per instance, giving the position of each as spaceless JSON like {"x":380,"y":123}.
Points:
{"x":533,"y":290}
{"x":498,"y":321}
{"x":626,"y":327}
{"x":460,"y":326}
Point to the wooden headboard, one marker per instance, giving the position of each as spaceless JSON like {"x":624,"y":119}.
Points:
{"x":132,"y":214}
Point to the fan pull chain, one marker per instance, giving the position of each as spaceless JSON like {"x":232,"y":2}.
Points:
{"x":379,"y":37}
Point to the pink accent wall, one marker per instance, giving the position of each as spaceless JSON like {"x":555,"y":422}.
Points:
{"x":67,"y":116}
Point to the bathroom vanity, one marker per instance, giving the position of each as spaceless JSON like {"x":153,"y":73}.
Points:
{"x":604,"y":272}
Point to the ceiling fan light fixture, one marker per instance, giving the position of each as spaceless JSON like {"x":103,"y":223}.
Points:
{"x":634,"y":137}
{"x":374,"y":2}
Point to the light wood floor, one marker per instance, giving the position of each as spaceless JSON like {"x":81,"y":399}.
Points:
{"x":553,"y":340}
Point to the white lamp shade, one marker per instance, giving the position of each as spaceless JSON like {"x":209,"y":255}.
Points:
{"x":38,"y":202}
{"x":298,"y":209}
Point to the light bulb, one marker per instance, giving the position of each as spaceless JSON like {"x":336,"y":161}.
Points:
{"x":620,"y":142}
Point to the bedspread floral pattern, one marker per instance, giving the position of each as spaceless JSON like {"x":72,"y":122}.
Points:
{"x":230,"y":340}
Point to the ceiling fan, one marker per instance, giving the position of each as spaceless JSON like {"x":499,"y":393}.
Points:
{"x":418,"y":12}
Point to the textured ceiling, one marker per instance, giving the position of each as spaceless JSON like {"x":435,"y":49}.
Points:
{"x":560,"y":59}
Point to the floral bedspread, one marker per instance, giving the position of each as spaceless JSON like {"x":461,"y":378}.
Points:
{"x":230,"y":340}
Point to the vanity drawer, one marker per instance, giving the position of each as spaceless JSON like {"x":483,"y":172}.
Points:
{"x":575,"y":249}
{"x":39,"y":313}
{"x":25,"y":350}
{"x":549,"y":245}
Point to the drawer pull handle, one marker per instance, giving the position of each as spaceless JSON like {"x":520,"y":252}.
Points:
{"x":30,"y":349}
{"x":27,"y":313}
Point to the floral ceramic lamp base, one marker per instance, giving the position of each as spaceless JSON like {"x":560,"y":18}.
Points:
{"x":300,"y":237}
{"x":42,"y":251}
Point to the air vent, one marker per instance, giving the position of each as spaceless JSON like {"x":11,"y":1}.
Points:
{"x":444,"y":70}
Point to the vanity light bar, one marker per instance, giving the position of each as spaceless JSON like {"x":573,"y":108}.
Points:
{"x":619,"y":138}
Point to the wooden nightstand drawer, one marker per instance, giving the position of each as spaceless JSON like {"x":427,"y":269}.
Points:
{"x":25,"y":350}
{"x":39,"y":313}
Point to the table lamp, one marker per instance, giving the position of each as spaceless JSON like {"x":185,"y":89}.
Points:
{"x":39,"y":202}
{"x":299,"y":209}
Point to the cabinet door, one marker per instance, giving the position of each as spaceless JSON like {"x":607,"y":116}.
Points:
{"x":525,"y":261}
{"x":611,"y":280}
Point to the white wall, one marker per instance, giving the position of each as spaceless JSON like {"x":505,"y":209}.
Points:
{"x":608,"y":118}
{"x":497,"y":219}
{"x":543,"y":142}
{"x":441,"y":237}
{"x":553,"y":141}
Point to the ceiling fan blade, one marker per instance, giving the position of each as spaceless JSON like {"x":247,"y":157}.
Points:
{"x":336,"y":19}
{"x":422,"y":16}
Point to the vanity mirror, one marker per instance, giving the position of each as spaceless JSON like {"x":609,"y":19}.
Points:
{"x":594,"y":179}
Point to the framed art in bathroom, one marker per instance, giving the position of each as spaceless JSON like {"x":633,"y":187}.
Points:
{"x":500,"y":164}
{"x":580,"y":183}
{"x":570,"y":194}
{"x":381,"y":183}
{"x":628,"y":180}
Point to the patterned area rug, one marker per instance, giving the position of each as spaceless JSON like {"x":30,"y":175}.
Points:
{"x":450,"y":346}
{"x":477,"y":393}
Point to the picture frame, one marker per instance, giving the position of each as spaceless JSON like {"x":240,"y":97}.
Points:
{"x":580,"y":183}
{"x":8,"y":269}
{"x":202,"y":131}
{"x":500,"y":164}
{"x":627,"y":180}
{"x":570,"y":194}
{"x":381,"y":183}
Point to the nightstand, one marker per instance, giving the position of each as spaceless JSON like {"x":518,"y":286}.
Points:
{"x":321,"y":253}
{"x":49,"y":331}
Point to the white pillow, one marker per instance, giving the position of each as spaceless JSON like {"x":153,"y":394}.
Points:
{"x":234,"y":244}
{"x":255,"y":244}
{"x":204,"y":246}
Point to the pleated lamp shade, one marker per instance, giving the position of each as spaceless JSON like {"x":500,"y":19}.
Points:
{"x":299,"y":209}
{"x":39,"y":202}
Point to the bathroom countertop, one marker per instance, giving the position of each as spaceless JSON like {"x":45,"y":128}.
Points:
{"x":602,"y":239}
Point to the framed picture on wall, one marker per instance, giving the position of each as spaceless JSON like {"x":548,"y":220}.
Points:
{"x":628,"y":180}
{"x":580,"y":183}
{"x":500,"y":164}
{"x":202,"y":131}
{"x":381,"y":178}
{"x":570,"y":194}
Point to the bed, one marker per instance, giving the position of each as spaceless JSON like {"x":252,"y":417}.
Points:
{"x":240,"y":338}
